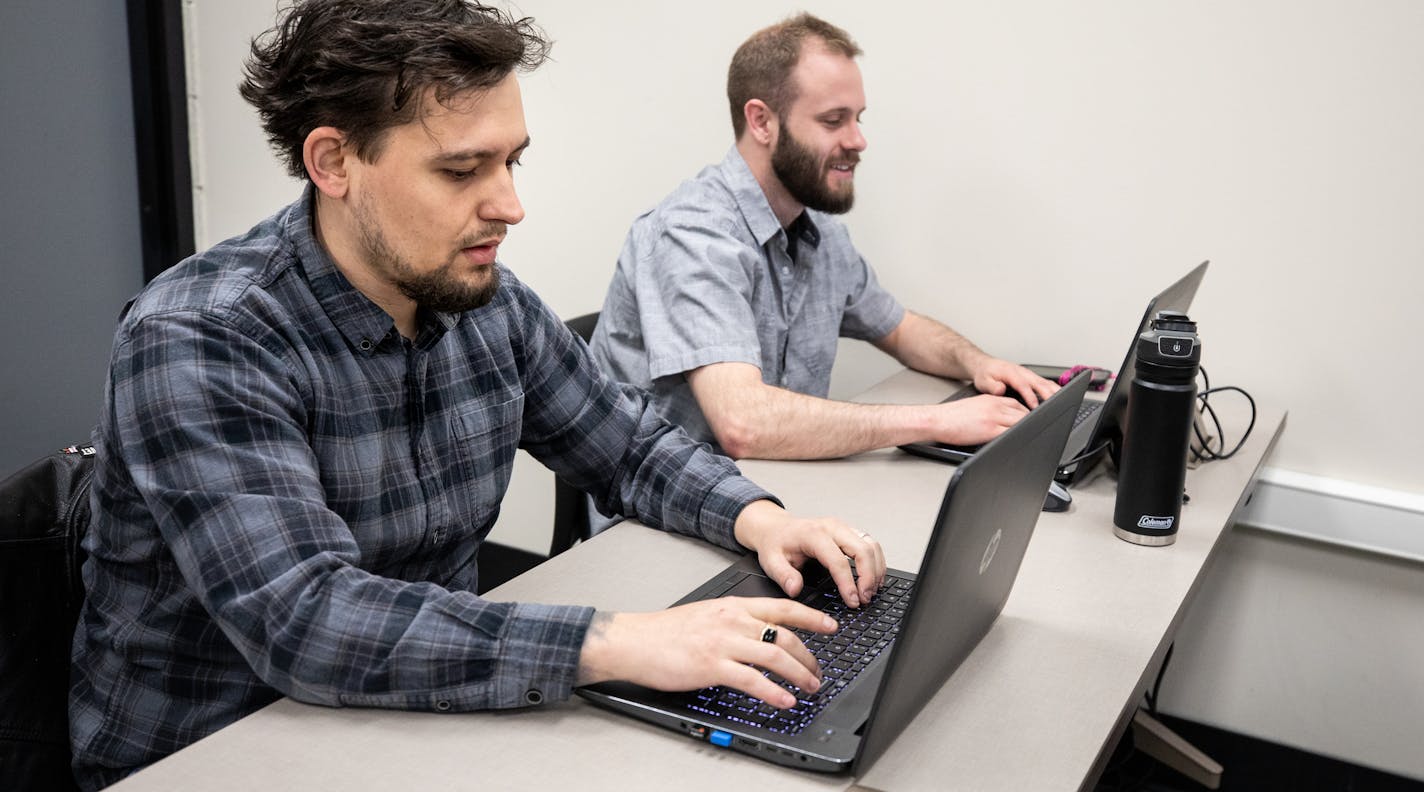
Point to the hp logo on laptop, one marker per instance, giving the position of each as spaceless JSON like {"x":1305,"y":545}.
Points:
{"x":990,"y":550}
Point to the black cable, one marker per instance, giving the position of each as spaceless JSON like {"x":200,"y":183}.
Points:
{"x":1118,"y":774}
{"x":1157,"y":685}
{"x":1206,"y":452}
{"x":1087,"y":454}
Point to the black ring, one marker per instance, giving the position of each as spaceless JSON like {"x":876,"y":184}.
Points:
{"x":768,"y":635}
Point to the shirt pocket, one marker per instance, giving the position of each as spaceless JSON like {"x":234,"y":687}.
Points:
{"x":485,"y":437}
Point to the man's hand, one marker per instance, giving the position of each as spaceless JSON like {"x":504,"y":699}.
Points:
{"x":711,"y":642}
{"x":718,"y":641}
{"x":784,"y":543}
{"x":975,"y":420}
{"x":995,"y":377}
{"x":982,"y":418}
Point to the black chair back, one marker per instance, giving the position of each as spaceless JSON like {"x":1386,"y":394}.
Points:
{"x":570,"y":504}
{"x":44,"y":512}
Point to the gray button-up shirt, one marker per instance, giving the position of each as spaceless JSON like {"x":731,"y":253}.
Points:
{"x":710,"y":276}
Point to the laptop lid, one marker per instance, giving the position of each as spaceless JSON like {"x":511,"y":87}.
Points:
{"x":1107,"y":422}
{"x":981,"y":532}
{"x":1101,"y":426}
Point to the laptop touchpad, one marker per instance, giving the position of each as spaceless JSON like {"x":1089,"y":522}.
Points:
{"x":754,"y":585}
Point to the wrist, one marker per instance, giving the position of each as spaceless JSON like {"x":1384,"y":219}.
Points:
{"x":598,"y":659}
{"x":973,"y":360}
{"x":751,"y":523}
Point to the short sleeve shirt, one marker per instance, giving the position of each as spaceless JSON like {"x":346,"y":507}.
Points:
{"x":710,"y":276}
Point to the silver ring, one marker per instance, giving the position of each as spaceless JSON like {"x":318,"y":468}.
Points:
{"x":864,"y":535}
{"x":768,"y":634}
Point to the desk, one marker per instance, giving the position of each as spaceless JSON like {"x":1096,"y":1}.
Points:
{"x":1038,"y":705}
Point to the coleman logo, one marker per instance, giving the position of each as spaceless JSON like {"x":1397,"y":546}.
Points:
{"x":1148,"y":521}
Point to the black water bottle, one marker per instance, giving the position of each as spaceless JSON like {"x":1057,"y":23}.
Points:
{"x":1156,"y":433}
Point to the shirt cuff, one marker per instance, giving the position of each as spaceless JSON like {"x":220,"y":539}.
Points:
{"x":724,"y":504}
{"x":669,"y":365}
{"x":539,"y":654}
{"x":892,"y":320}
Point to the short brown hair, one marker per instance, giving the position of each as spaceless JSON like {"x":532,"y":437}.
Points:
{"x":363,"y":66}
{"x":761,"y":68}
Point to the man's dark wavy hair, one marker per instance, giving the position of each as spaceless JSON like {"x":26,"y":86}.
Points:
{"x":363,"y":66}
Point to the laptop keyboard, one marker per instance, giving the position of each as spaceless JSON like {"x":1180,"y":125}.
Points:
{"x":864,"y":634}
{"x":1085,"y":410}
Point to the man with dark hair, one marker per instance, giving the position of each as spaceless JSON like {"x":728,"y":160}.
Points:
{"x":307,"y":430}
{"x":730,"y":295}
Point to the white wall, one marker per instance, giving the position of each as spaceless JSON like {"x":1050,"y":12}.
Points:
{"x":1036,"y":170}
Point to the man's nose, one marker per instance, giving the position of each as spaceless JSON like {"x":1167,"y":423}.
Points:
{"x":502,"y":205}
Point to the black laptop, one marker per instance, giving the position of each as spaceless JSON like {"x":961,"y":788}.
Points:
{"x":890,"y":656}
{"x":1099,"y":422}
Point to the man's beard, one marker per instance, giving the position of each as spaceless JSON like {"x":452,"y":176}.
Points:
{"x":441,"y":292}
{"x":438,"y":290}
{"x":804,"y":175}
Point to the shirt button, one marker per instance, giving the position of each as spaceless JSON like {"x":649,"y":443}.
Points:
{"x":365,"y":345}
{"x":533,"y":696}
{"x":785,"y":270}
{"x":442,"y":705}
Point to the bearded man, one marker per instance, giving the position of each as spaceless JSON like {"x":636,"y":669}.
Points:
{"x":730,"y":295}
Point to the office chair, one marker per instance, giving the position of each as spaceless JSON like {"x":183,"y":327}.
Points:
{"x":44,"y":512}
{"x":499,"y":563}
{"x":570,"y":503}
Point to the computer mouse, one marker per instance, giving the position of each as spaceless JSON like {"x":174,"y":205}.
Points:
{"x":1058,"y":498}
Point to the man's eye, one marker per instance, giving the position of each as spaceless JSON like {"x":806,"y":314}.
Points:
{"x":458,"y":175}
{"x":512,"y":164}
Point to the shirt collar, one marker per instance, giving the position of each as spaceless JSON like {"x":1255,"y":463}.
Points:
{"x":361,"y":322}
{"x":751,"y":201}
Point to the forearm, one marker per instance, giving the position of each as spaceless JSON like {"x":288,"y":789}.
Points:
{"x":615,"y":446}
{"x":765,"y":422}
{"x":923,"y":344}
{"x":321,"y":630}
{"x":454,"y":651}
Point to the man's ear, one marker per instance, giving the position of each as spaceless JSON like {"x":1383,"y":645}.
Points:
{"x":761,"y":121}
{"x":325,"y":155}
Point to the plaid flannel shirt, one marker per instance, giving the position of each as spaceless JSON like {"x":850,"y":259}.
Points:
{"x":290,"y":497}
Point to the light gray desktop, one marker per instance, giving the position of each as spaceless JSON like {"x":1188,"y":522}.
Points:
{"x":1038,"y":705}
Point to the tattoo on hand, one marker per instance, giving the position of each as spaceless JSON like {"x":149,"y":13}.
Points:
{"x":598,"y":625}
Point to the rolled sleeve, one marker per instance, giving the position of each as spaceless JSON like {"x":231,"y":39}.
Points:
{"x":694,"y":292}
